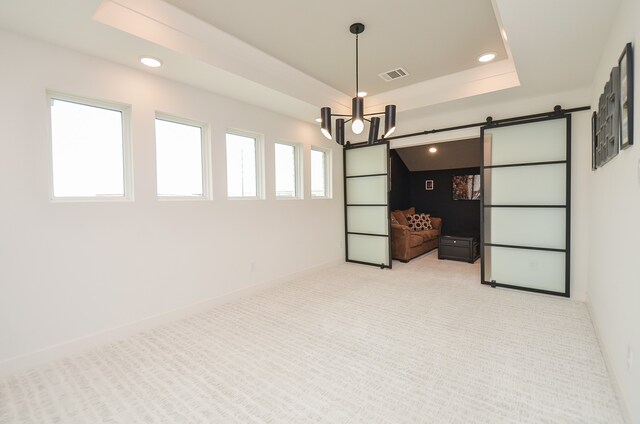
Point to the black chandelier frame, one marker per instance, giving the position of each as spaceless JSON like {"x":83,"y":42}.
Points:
{"x":357,"y":111}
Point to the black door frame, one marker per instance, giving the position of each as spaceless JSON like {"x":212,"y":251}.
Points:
{"x":388,"y":203}
{"x":566,"y":206}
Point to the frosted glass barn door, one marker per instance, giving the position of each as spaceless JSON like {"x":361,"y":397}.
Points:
{"x":526,"y":190}
{"x":366,"y":187}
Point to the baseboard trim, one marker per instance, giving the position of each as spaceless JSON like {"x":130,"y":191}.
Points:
{"x":626,"y":415}
{"x":82,"y":344}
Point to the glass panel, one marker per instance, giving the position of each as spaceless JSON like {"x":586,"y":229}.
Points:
{"x":534,"y":142}
{"x":285,"y":170}
{"x":369,"y":249}
{"x":526,"y":185}
{"x":487,"y":147}
{"x":318,"y":173}
{"x":525,"y":268}
{"x":526,"y":227}
{"x":366,"y":160}
{"x":364,"y":189}
{"x":87,"y":147}
{"x":241,"y":166}
{"x":367,"y":190}
{"x":179,"y":159}
{"x":367,"y":219}
{"x":487,"y":261}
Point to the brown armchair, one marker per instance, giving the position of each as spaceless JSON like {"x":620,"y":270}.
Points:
{"x":406,"y":244}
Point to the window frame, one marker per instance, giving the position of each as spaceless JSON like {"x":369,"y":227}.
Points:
{"x":127,"y":151}
{"x":205,"y":157}
{"x":259,"y":152}
{"x":328,"y":166}
{"x":298,"y":170}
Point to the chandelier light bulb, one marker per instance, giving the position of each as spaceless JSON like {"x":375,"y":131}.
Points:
{"x":357,"y":126}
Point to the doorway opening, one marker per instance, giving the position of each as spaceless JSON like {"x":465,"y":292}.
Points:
{"x":436,"y":182}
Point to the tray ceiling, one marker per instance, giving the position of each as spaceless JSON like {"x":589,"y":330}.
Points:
{"x":428,"y":38}
{"x":293,"y":57}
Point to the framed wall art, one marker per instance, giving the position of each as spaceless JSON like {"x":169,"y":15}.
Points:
{"x":608,"y":120}
{"x":594,"y":141}
{"x":625,"y":99}
{"x":466,"y":187}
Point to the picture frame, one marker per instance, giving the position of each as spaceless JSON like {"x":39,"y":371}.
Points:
{"x":625,"y":98}
{"x":594,"y":141}
{"x":428,"y":185}
{"x":465,"y":187}
{"x":608,"y":120}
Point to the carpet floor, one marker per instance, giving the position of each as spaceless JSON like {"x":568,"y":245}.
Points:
{"x":422,"y":343}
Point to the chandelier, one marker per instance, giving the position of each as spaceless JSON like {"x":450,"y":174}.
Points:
{"x":358,"y":117}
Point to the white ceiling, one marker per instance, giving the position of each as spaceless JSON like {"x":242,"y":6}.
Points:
{"x":450,"y":155}
{"x":295,"y":56}
{"x":314,"y":37}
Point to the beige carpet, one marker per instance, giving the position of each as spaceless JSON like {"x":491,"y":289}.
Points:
{"x":422,"y":343}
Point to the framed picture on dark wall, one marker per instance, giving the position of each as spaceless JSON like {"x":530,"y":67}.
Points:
{"x":428,"y":185}
{"x":466,"y":187}
{"x":625,"y":99}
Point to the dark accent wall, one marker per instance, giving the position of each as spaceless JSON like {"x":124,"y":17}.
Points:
{"x":400,"y":183}
{"x":460,"y":217}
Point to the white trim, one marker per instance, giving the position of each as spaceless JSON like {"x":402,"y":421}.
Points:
{"x":298,"y":169}
{"x":624,"y":409}
{"x":81,"y":344}
{"x":488,"y":78}
{"x":127,"y":148}
{"x":96,"y":199}
{"x":328,"y":167}
{"x":205,"y":155}
{"x":172,"y":198}
{"x":259,"y":148}
{"x":441,"y":137}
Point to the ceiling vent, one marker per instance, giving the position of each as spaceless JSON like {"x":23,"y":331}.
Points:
{"x":394,"y":74}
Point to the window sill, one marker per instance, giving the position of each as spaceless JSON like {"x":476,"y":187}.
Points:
{"x":183,"y":198}
{"x":92,"y":199}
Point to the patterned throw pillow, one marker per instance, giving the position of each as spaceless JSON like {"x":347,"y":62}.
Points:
{"x":419,"y":222}
{"x":426,"y":218}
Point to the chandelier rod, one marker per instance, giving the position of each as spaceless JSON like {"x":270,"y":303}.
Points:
{"x":357,"y":65}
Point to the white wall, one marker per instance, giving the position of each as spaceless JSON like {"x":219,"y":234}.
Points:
{"x":614,"y":253}
{"x":477,"y":109}
{"x":605,"y":203}
{"x":69,"y":270}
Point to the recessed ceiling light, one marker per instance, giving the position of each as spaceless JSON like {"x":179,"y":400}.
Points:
{"x":432,"y":149}
{"x":151,"y":62}
{"x":319,"y":120}
{"x":362,"y":93}
{"x":487,"y":57}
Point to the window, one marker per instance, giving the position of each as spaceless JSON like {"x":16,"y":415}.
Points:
{"x":244,"y":167}
{"x":287,"y":163}
{"x":180,"y":159}
{"x":89,"y":149}
{"x":320,"y":173}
